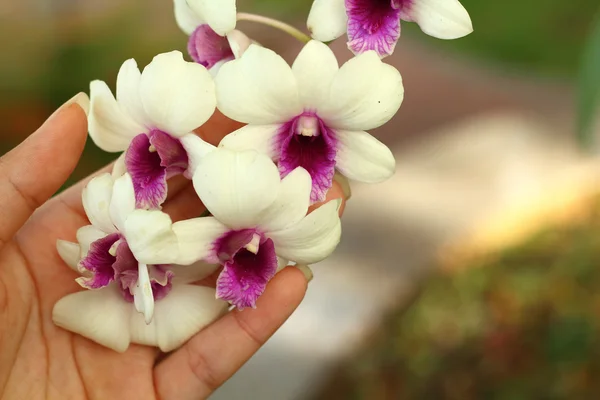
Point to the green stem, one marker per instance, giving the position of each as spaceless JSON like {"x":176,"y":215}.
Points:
{"x":290,"y":30}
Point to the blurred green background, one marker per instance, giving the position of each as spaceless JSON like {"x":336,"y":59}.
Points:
{"x":51,"y":49}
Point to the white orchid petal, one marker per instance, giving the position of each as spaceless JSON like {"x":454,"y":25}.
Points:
{"x":312,"y":239}
{"x":196,"y":238}
{"x":281,"y":263}
{"x":365,"y":94}
{"x":196,"y":150}
{"x":185,"y":311}
{"x":185,"y":274}
{"x":119,"y":168}
{"x":122,"y":202}
{"x":128,"y":92}
{"x":236,"y":187}
{"x":100,"y":315}
{"x":178,"y":96}
{"x":70,"y":253}
{"x":186,"y":18}
{"x":238,"y":42}
{"x":315,"y":68}
{"x":253,"y":137}
{"x":363,"y":158}
{"x":292,"y":202}
{"x":150,"y":236}
{"x":327,"y":19}
{"x":220,"y":15}
{"x":443,"y":19}
{"x":258,"y":88}
{"x":143,"y":297}
{"x":109,"y":126}
{"x":86,"y":235}
{"x":96,"y":198}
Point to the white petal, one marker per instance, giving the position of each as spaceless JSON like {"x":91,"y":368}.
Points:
{"x":196,"y":238}
{"x":236,"y":187}
{"x":100,"y":315}
{"x":315,"y":68}
{"x":281,"y":263}
{"x":327,"y":19}
{"x":184,"y":274}
{"x":253,"y":137}
{"x":122,"y":202}
{"x":178,"y":96}
{"x":219,"y":15}
{"x":258,"y":88}
{"x":128,"y":92}
{"x":109,"y":126}
{"x":312,"y":239}
{"x":185,"y":311}
{"x":186,"y":18}
{"x":86,"y":235}
{"x":96,"y":198}
{"x":143,"y":297}
{"x":239,"y":42}
{"x":119,"y":168}
{"x":196,"y":149}
{"x":365,"y":94}
{"x":443,"y":19}
{"x":150,"y":236}
{"x":363,"y":158}
{"x":292,"y":202}
{"x":70,"y":253}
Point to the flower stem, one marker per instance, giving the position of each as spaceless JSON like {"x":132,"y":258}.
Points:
{"x":290,"y":30}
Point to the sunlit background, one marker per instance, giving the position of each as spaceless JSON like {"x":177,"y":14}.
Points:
{"x":473,"y":274}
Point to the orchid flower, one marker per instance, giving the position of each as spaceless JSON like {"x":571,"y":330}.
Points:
{"x":259,"y":222}
{"x":152,"y":118}
{"x":375,"y":24}
{"x":125,"y":257}
{"x":314,"y":114}
{"x":205,"y":46}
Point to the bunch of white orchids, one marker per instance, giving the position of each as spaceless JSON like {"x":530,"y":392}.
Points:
{"x":305,"y":126}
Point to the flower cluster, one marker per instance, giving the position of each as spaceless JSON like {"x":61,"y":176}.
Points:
{"x":263,"y":186}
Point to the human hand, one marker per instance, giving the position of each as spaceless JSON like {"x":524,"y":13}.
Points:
{"x":41,"y":361}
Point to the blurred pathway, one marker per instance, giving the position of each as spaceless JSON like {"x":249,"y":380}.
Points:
{"x":465,"y":174}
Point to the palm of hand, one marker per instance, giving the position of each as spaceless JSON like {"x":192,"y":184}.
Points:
{"x":46,"y":361}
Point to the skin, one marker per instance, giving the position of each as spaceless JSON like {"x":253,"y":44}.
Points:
{"x":41,"y":361}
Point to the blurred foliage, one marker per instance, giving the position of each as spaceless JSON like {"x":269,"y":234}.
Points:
{"x":540,"y":36}
{"x":522,"y":324}
{"x":589,"y":87}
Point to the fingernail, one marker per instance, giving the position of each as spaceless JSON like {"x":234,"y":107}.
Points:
{"x":81,"y":99}
{"x":305,"y":269}
{"x":344,"y":184}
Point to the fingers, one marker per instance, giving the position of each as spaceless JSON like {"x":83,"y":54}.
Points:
{"x":216,"y":353}
{"x":217,"y":127}
{"x":37,"y":168}
{"x":335,"y":192}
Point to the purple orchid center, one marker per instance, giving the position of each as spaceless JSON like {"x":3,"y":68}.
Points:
{"x":249,"y":262}
{"x":374,"y":24}
{"x":110,"y":260}
{"x":307,"y":142}
{"x":206,"y":47}
{"x":150,"y":160}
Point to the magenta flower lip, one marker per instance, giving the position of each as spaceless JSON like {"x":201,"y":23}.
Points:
{"x":374,"y":25}
{"x":150,"y":160}
{"x":206,"y":47}
{"x":249,"y":262}
{"x":305,"y":141}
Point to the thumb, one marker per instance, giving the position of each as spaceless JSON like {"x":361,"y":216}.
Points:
{"x":36,"y":169}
